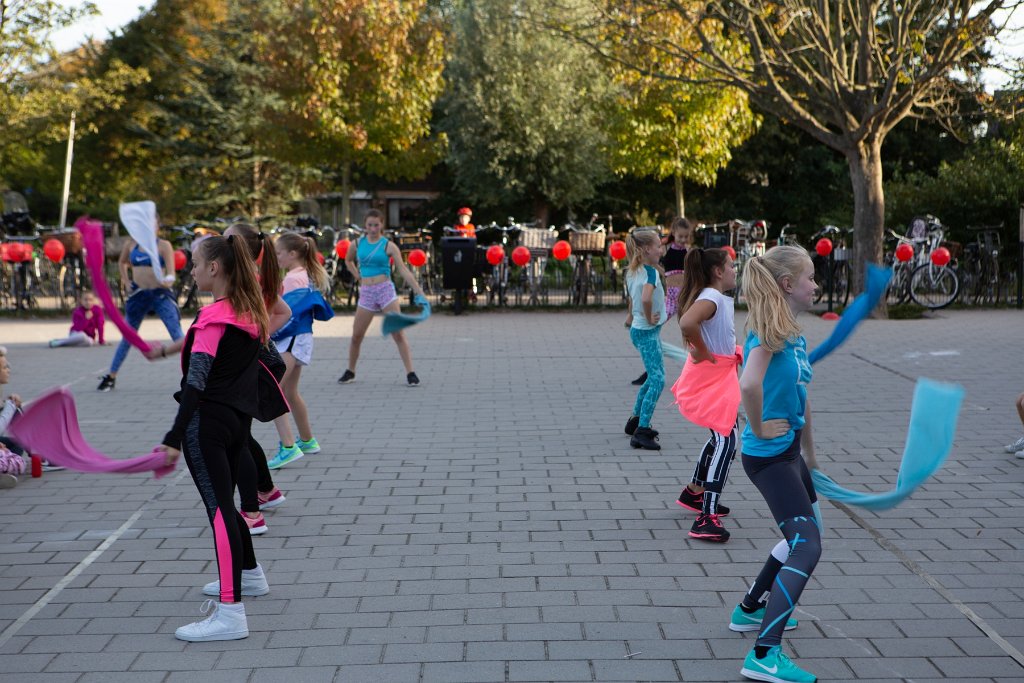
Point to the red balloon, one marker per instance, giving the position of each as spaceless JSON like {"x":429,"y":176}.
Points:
{"x":341,"y":248}
{"x":823,"y":247}
{"x":417,"y":257}
{"x":180,"y":260}
{"x":520,"y":256}
{"x":320,"y":258}
{"x":730,"y":251}
{"x":904,"y":252}
{"x":495,"y":254}
{"x":23,"y":254}
{"x":54,"y":250}
{"x":941,"y":256}
{"x":617,"y":250}
{"x":561,"y":250}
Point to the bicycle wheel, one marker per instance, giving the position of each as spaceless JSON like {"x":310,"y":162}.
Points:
{"x":899,"y":287}
{"x":934,"y":286}
{"x":989,"y":285}
{"x":841,"y":283}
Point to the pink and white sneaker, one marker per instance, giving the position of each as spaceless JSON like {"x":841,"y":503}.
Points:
{"x":271,"y":499}
{"x":257,"y":525}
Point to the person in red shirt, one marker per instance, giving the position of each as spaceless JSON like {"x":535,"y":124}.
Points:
{"x":86,"y":324}
{"x":462,"y":224}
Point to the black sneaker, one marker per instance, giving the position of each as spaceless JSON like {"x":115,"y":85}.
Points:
{"x":645,"y":438}
{"x":632,"y":423}
{"x":106,"y":383}
{"x":639,"y":380}
{"x":695,"y":501}
{"x":347,"y":377}
{"x":708,"y":528}
{"x":412,"y":379}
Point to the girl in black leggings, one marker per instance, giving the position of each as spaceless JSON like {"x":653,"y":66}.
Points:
{"x":220,"y":394}
{"x":776,"y":372}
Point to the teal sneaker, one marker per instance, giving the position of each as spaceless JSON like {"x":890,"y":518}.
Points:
{"x":776,"y":667}
{"x":284,"y":456}
{"x":741,"y":621}
{"x":308,"y":447}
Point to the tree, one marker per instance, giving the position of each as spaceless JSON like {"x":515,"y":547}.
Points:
{"x":358,"y":81}
{"x":845,"y":73}
{"x":671,"y":128}
{"x":524,"y":108}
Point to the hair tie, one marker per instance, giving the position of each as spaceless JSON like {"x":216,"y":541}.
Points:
{"x":229,"y":238}
{"x":260,"y":236}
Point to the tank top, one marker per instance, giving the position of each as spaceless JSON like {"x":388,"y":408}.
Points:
{"x":673,"y":258}
{"x":373,"y":258}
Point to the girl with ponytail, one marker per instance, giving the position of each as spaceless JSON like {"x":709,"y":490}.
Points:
{"x":776,"y":440}
{"x":219,"y":397}
{"x":646,"y":316}
{"x":707,"y":391}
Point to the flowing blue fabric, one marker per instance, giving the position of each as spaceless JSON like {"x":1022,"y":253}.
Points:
{"x":307,"y":304}
{"x":876,"y":280}
{"x":933,"y":416}
{"x":674,"y":352}
{"x":395,"y":322}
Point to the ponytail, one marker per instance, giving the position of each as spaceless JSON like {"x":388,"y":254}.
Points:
{"x":305,"y":247}
{"x":698,"y":273}
{"x":262,"y":252}
{"x":769,"y":315}
{"x":635,"y":242}
{"x":240,"y":272}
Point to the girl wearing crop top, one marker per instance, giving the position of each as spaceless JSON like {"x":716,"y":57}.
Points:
{"x":370,"y":265}
{"x":680,"y":239}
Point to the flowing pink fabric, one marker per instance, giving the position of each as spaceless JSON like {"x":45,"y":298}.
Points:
{"x":48,"y":427}
{"x":92,"y":238}
{"x":708,"y":394}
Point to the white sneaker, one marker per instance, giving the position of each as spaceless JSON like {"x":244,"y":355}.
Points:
{"x":226,"y":623}
{"x":1020,"y":453}
{"x":1017,"y":445}
{"x":254,"y":584}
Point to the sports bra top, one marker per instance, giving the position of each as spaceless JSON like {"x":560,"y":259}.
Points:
{"x":673,"y":258}
{"x":137,"y":257}
{"x":373,"y":258}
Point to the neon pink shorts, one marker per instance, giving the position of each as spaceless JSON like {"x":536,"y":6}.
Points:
{"x":376,"y":297}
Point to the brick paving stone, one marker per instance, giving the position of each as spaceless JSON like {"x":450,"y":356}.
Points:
{"x":483,"y":529}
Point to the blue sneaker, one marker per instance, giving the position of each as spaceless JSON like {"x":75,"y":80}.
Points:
{"x":284,"y":456}
{"x":776,"y":667}
{"x":742,"y":621}
{"x":308,"y":447}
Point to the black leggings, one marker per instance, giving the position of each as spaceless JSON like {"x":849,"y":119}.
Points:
{"x":786,"y":485}
{"x":253,"y":475}
{"x":215,"y":439}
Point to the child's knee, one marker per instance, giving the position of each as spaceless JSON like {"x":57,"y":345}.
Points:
{"x":1020,"y":402}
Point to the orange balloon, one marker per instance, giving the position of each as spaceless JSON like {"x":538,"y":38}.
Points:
{"x":495,"y":254}
{"x":520,"y":256}
{"x":561,"y":250}
{"x":417,"y":257}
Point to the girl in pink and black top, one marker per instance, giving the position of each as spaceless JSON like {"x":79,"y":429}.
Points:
{"x":87,"y":324}
{"x":680,"y":237}
{"x":219,"y":397}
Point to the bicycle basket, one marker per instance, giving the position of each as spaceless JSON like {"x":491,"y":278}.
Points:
{"x":537,"y":238}
{"x":587,"y":242}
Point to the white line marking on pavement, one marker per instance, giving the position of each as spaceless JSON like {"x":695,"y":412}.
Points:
{"x":42,"y":602}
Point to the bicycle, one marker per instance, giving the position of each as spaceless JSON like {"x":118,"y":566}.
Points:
{"x":980,"y":267}
{"x":496,"y":283}
{"x":748,"y":238}
{"x":840,"y":272}
{"x":586,"y":242}
{"x":539,"y":241}
{"x":920,"y":279}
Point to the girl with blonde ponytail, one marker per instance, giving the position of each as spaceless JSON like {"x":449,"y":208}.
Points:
{"x":776,"y":371}
{"x":647,"y":315}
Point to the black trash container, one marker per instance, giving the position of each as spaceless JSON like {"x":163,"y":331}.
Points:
{"x":457,"y":256}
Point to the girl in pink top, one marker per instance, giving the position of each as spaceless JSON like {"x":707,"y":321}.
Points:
{"x":708,"y":391}
{"x":87,"y":324}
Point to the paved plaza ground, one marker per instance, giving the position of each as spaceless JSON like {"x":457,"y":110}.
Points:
{"x":493,"y":524}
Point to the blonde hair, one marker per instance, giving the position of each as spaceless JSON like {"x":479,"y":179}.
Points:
{"x":305,"y":247}
{"x":635,"y":241}
{"x":769,"y":315}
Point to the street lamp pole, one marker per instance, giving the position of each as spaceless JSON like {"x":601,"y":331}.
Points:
{"x":67,"y":172}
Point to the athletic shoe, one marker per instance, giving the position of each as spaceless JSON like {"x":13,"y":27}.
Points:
{"x":631,"y":424}
{"x":695,"y":501}
{"x":645,"y":438}
{"x":412,"y":379}
{"x":742,"y":622}
{"x":50,"y":467}
{"x":106,"y":383}
{"x":8,"y":481}
{"x":639,"y":380}
{"x":776,"y":667}
{"x":708,"y":528}
{"x":54,"y":343}
{"x":1020,"y":454}
{"x":227,"y":622}
{"x":1017,"y":445}
{"x":254,"y":584}
{"x":285,"y":455}
{"x":257,"y":525}
{"x":347,"y":377}
{"x":308,"y":447}
{"x":270,"y":500}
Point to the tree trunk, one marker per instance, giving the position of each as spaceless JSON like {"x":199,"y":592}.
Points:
{"x":865,"y":161}
{"x":346,"y":191}
{"x":680,"y":203}
{"x":256,"y":208}
{"x":541,"y":211}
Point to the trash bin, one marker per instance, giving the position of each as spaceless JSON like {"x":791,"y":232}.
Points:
{"x":457,"y":256}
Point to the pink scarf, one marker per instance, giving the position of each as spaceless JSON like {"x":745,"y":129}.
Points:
{"x":49,"y":427}
{"x":708,"y":394}
{"x":92,"y":238}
